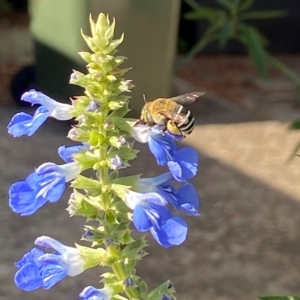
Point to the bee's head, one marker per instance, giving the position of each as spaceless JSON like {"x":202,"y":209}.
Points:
{"x":145,"y":109}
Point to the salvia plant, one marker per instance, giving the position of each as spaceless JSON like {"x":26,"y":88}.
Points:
{"x":104,"y":143}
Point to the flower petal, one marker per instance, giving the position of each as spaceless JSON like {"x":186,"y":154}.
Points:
{"x":30,"y":257}
{"x":188,"y":200}
{"x":51,"y":274}
{"x":185,"y":164}
{"x":59,"y":111}
{"x":140,"y":219}
{"x":91,"y":293}
{"x":23,"y":200}
{"x":28,"y":278}
{"x":172,"y":233}
{"x":66,"y":153}
{"x":146,"y":185}
{"x":161,"y":149}
{"x":50,"y":243}
{"x":25,"y":124}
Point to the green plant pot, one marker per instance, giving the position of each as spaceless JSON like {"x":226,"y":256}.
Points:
{"x":150,"y":29}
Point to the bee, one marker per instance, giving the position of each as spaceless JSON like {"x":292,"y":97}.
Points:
{"x":171,"y":113}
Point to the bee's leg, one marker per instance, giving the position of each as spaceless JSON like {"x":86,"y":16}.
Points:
{"x":173,"y":129}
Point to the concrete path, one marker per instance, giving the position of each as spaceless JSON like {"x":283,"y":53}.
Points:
{"x":246,"y":242}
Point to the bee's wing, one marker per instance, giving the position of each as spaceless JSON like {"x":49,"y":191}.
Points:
{"x":175,"y":115}
{"x":188,"y":98}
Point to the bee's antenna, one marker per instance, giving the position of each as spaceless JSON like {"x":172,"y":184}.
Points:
{"x":144,"y":97}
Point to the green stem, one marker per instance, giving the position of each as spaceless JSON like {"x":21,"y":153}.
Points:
{"x":117,"y":267}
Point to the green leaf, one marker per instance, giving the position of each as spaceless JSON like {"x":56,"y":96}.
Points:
{"x":116,"y":141}
{"x":91,"y":185}
{"x":84,"y":206}
{"x":121,"y":112}
{"x":206,"y":13}
{"x":120,"y":190}
{"x":131,"y":250}
{"x":251,"y":38}
{"x":92,"y":257}
{"x":118,"y":297}
{"x":129,"y":180}
{"x":125,"y":153}
{"x":115,"y":104}
{"x":122,"y":124}
{"x":159,"y":291}
{"x":98,"y":235}
{"x":86,"y":56}
{"x":200,"y":45}
{"x":111,"y":277}
{"x":110,"y":217}
{"x":94,"y":139}
{"x":126,"y":238}
{"x":129,"y":265}
{"x":246,"y":4}
{"x":143,"y":289}
{"x":280,"y":298}
{"x":263,"y":14}
{"x":295,"y":125}
{"x":113,"y":45}
{"x":86,"y":159}
{"x":122,"y":209}
{"x":224,"y":34}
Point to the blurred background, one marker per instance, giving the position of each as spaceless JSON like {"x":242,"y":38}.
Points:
{"x":245,"y":55}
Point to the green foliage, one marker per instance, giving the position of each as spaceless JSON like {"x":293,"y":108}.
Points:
{"x":5,"y":7}
{"x":228,"y":23}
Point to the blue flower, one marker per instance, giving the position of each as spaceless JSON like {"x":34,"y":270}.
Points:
{"x":25,"y":124}
{"x":66,"y":153}
{"x":91,"y":293}
{"x":150,"y":213}
{"x":38,"y":269}
{"x":47,"y":183}
{"x":183,"y":163}
{"x":184,"y":198}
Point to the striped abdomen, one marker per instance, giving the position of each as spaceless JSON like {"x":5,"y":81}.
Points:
{"x":187,"y":122}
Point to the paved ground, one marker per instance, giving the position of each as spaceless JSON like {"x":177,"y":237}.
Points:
{"x":246,"y":242}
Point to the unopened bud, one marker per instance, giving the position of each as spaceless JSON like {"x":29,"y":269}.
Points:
{"x":116,"y":163}
{"x":129,"y":282}
{"x":109,"y":125}
{"x":73,"y":134}
{"x":88,"y":236}
{"x":93,"y":106}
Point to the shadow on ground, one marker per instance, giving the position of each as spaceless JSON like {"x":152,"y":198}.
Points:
{"x":246,"y":242}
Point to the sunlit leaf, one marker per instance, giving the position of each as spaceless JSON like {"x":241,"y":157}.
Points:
{"x":250,"y":37}
{"x":224,"y":35}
